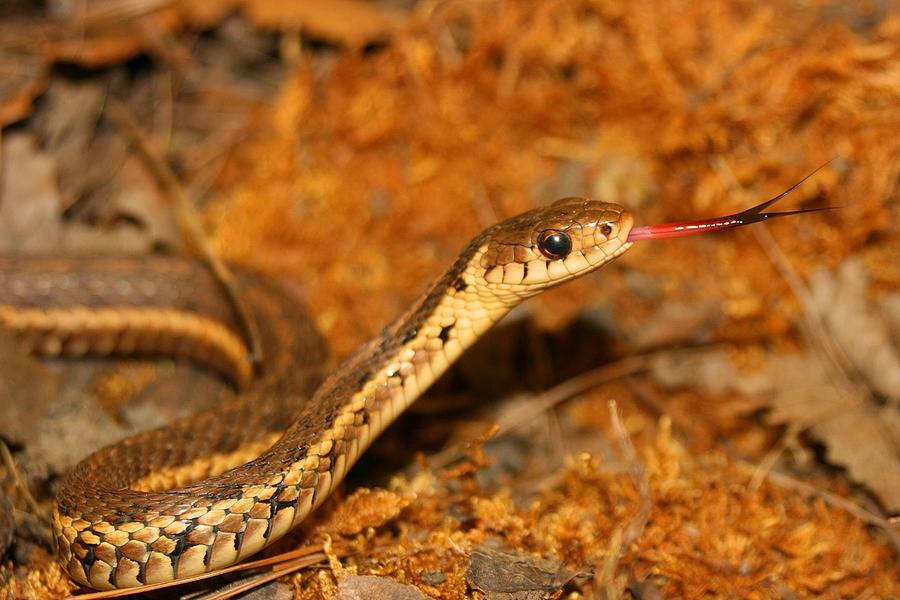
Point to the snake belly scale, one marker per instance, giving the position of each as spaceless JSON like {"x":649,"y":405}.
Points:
{"x":208,"y":491}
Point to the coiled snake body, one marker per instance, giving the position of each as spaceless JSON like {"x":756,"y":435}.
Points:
{"x":182,"y":500}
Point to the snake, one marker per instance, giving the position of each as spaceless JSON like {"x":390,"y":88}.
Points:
{"x":207,"y":491}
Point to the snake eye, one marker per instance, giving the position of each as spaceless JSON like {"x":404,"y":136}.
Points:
{"x":554,"y":244}
{"x":606,"y":229}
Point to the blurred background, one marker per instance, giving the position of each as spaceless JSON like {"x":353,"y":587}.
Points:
{"x":351,"y":148}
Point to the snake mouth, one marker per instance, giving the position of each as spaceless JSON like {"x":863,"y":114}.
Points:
{"x":621,"y":250}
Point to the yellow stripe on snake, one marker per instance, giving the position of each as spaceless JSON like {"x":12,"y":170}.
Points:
{"x":206,"y":492}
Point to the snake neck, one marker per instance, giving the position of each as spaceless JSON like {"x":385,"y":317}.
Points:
{"x":418,"y":346}
{"x":383,"y":377}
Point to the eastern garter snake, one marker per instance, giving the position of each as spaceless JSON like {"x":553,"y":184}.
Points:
{"x":184,"y":500}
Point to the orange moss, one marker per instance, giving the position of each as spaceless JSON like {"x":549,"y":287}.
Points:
{"x":374,"y":168}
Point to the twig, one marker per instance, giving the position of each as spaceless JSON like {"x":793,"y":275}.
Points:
{"x":541,"y":403}
{"x":860,"y":513}
{"x":532,"y":407}
{"x":189,"y":223}
{"x":294,"y":566}
{"x":626,"y":535}
{"x":771,"y":457}
{"x":638,"y":474}
{"x":22,"y":484}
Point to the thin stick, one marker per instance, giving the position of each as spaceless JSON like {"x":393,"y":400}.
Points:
{"x":768,"y":461}
{"x":263,"y":579}
{"x":786,"y":481}
{"x":626,"y":535}
{"x":581,"y":383}
{"x":22,"y":484}
{"x":530,"y":408}
{"x":189,"y":223}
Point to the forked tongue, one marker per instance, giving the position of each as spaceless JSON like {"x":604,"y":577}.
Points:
{"x":751,"y":215}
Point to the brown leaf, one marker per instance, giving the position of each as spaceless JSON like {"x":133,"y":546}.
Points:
{"x":27,"y":390}
{"x":355,"y":587}
{"x":136,"y":209}
{"x":275,"y":590}
{"x":59,"y":440}
{"x":29,"y":212}
{"x":858,"y":433}
{"x":67,"y":125}
{"x":504,"y":575}
{"x":858,"y":328}
{"x":866,"y":440}
{"x":31,"y":208}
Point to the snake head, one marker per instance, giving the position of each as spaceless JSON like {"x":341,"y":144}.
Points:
{"x":549,"y":245}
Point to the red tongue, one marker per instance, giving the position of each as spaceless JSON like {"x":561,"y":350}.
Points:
{"x":680,"y":228}
{"x":751,"y":215}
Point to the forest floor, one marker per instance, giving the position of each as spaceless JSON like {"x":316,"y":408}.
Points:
{"x":711,"y":417}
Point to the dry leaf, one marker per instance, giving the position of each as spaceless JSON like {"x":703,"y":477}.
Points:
{"x":31,"y":209}
{"x":27,"y":390}
{"x":29,"y":198}
{"x":858,"y":432}
{"x":67,"y":125}
{"x":503,"y":575}
{"x":275,"y":590}
{"x":59,"y":440}
{"x":356,"y":587}
{"x":133,"y":197}
{"x":858,"y":328}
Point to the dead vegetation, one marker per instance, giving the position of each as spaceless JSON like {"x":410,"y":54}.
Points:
{"x":351,"y":148}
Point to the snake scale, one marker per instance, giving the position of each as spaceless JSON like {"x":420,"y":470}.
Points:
{"x":208,"y":491}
